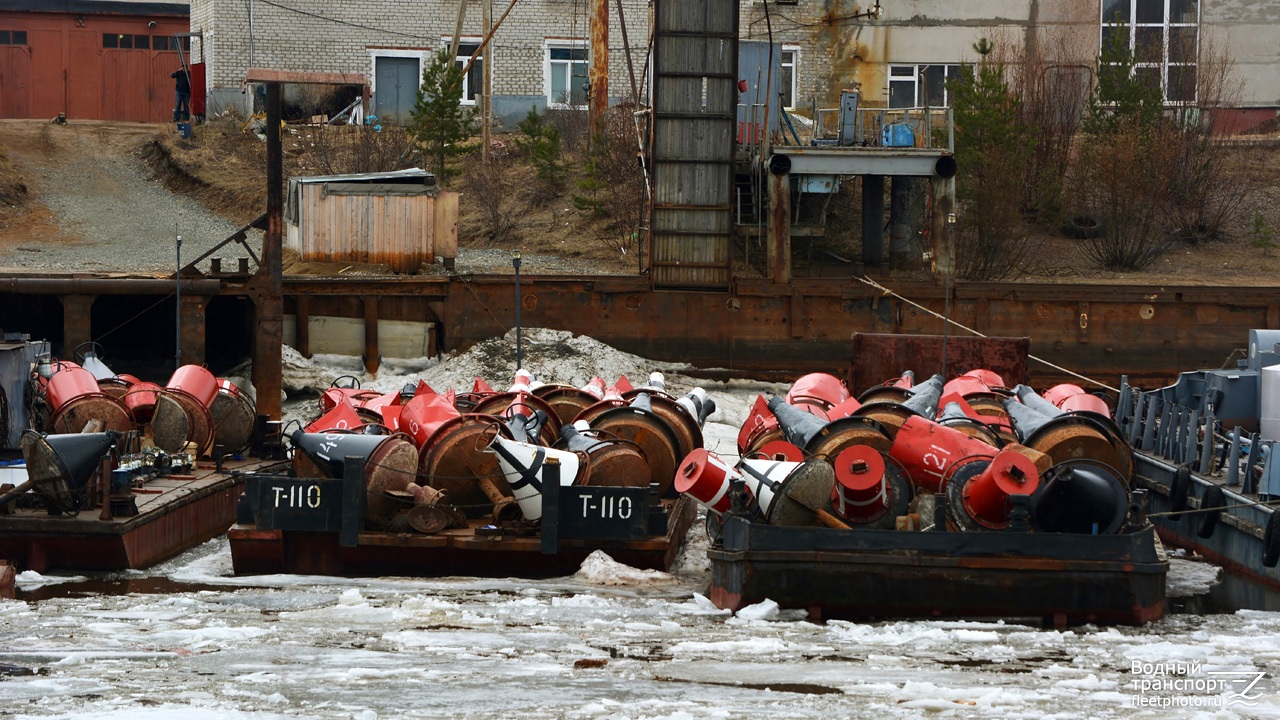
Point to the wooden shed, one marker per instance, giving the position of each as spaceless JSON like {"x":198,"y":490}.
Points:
{"x":400,"y":218}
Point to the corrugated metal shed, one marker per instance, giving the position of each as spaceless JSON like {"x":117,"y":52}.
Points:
{"x":401,"y":218}
{"x":695,"y":61}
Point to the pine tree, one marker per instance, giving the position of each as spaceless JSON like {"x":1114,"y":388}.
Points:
{"x":440,"y":121}
{"x":541,"y":144}
{"x":993,"y":144}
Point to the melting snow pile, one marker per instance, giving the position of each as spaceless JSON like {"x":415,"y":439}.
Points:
{"x":600,"y":569}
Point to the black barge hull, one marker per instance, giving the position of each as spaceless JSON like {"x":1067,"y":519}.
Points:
{"x":876,"y":574}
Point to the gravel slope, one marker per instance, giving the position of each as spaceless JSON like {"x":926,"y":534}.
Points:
{"x":109,"y":215}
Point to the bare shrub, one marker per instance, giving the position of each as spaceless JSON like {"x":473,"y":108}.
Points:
{"x":491,"y":186}
{"x":1054,"y":88}
{"x":340,"y":149}
{"x":612,"y":183}
{"x":1208,"y":184}
{"x":574,"y":127}
{"x":1125,"y":177}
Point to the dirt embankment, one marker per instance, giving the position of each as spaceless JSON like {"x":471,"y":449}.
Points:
{"x":111,"y":197}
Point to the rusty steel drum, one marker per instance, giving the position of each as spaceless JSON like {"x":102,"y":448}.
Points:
{"x":599,"y":407}
{"x":76,"y":400}
{"x":608,"y":461}
{"x":686,"y":428}
{"x":115,"y":387}
{"x":454,"y":461}
{"x":567,"y":401}
{"x":1084,"y":436}
{"x":233,"y":417}
{"x":391,"y":468}
{"x":651,"y":433}
{"x":846,"y":432}
{"x":505,"y":404}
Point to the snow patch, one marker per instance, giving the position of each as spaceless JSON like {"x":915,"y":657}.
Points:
{"x":600,"y":569}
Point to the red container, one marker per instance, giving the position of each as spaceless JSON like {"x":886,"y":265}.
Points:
{"x":140,"y":401}
{"x":820,"y":389}
{"x":195,"y":381}
{"x":1059,"y":393}
{"x":225,"y":385}
{"x":424,"y":414}
{"x":1086,"y":402}
{"x":68,"y":384}
{"x":988,"y":378}
{"x":930,"y":452}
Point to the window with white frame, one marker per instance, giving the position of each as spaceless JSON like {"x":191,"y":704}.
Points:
{"x":1164,"y":37}
{"x":790,"y":73}
{"x":467,"y":48}
{"x":921,"y":85}
{"x":565,"y":73}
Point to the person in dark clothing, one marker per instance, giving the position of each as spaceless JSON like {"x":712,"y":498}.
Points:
{"x":182,"y":95}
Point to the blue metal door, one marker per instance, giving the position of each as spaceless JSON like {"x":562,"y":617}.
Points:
{"x":395,"y":88}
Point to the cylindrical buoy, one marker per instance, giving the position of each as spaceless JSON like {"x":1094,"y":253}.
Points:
{"x":195,"y":381}
{"x":140,"y":401}
{"x":861,"y":492}
{"x":705,"y":478}
{"x":990,"y":378}
{"x":75,"y":399}
{"x":928,"y":451}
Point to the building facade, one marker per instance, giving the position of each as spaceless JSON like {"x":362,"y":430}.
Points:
{"x":90,"y":59}
{"x":897,"y":53}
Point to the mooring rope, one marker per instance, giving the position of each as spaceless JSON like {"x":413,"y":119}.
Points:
{"x":1072,"y":373}
{"x":1253,"y":503}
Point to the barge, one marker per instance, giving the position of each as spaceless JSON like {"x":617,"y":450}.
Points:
{"x":1205,"y":454}
{"x":522,"y":483}
{"x":114,"y":473}
{"x":1059,"y":579}
{"x":958,"y":499}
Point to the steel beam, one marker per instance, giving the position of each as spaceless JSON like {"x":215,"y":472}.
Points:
{"x":862,"y":161}
{"x":266,"y":285}
{"x":77,"y":328}
{"x":193,"y":329}
{"x":779,"y":239}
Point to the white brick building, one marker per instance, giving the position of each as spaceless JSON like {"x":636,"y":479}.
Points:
{"x":899,"y":57}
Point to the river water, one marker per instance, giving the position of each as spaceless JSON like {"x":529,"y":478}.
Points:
{"x":189,"y":641}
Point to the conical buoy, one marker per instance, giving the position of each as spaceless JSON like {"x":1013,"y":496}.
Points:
{"x":60,"y":466}
{"x":522,"y":465}
{"x":978,"y":491}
